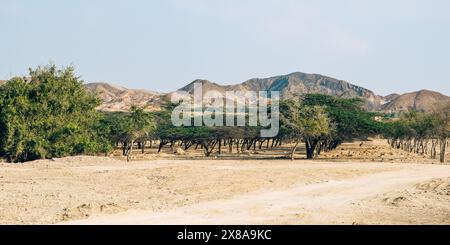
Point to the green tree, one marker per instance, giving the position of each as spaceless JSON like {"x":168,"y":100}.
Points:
{"x":413,"y":131}
{"x":309,"y":124}
{"x":135,"y":127}
{"x":348,"y":117}
{"x":50,"y":114}
{"x":316,"y":127}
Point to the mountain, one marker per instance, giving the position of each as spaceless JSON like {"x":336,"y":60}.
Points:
{"x":116,"y":98}
{"x":206,"y":86}
{"x":391,"y":97}
{"x":423,"y":100}
{"x":296,"y":84}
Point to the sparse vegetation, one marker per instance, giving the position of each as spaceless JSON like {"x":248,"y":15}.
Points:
{"x":51,"y":114}
{"x":421,"y":133}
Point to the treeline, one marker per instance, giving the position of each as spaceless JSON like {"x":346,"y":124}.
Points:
{"x":51,"y":114}
{"x":321,"y":122}
{"x":421,"y":133}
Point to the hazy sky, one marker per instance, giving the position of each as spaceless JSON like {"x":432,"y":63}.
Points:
{"x":383,"y":45}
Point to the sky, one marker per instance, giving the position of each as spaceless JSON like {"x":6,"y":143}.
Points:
{"x":384,"y":45}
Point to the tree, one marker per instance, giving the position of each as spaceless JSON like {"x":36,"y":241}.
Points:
{"x":291,"y":123}
{"x":309,"y":124}
{"x":413,"y":131}
{"x":443,"y":129}
{"x":316,"y":127}
{"x":347,"y":115}
{"x":136,"y":126}
{"x":50,"y":114}
{"x":142,"y":126}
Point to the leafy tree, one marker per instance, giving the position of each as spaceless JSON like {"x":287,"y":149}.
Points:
{"x":347,"y":115}
{"x":50,"y":114}
{"x":136,"y":126}
{"x":316,"y":127}
{"x":309,"y":124}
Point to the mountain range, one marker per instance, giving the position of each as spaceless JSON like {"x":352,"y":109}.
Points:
{"x":116,"y":98}
{"x":290,"y":86}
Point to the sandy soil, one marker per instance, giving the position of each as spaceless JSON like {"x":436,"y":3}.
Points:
{"x":96,"y":190}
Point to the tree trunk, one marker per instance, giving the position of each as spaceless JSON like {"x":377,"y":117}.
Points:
{"x":124,"y":149}
{"x":206,"y":149}
{"x":443,"y":144}
{"x":433,"y":149}
{"x":129,"y":151}
{"x":293,"y":151}
{"x":143,"y":147}
{"x":310,"y":147}
{"x":160,"y":146}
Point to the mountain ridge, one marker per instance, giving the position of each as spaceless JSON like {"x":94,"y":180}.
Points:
{"x":297,"y":83}
{"x":118,"y":98}
{"x":422,"y":100}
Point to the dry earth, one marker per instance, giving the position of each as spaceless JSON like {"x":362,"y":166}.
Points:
{"x":364,"y":187}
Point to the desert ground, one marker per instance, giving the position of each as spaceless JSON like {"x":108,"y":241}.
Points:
{"x":367,"y":183}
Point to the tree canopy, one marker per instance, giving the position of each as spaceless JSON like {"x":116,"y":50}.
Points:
{"x":50,"y":114}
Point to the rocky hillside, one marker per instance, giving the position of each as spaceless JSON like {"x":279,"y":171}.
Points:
{"x":117,"y":98}
{"x":206,"y":86}
{"x":291,"y":85}
{"x":423,"y":100}
{"x":297,"y":84}
{"x":121,"y":99}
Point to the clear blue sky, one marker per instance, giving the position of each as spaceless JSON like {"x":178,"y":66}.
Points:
{"x":383,"y":45}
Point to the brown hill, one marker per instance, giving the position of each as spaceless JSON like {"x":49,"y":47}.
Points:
{"x":423,"y":100}
{"x":206,"y":86}
{"x":391,"y":97}
{"x":116,"y":98}
{"x":296,"y":84}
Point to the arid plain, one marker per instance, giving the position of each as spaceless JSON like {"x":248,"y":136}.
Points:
{"x":367,"y":183}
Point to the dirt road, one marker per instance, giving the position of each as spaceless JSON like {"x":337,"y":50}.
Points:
{"x":333,"y":202}
{"x":368,"y":184}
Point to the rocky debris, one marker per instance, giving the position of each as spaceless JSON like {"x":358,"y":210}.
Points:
{"x":86,"y":210}
{"x":375,"y":151}
{"x":421,"y":195}
{"x":436,"y":186}
{"x":397,"y":200}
